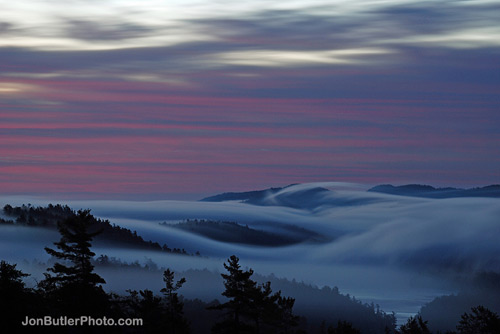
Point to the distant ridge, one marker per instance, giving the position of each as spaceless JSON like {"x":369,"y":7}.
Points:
{"x":419,"y":190}
{"x":300,"y":198}
{"x":247,"y":196}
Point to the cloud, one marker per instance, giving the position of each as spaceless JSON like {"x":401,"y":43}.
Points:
{"x":360,"y":228}
{"x":462,"y":39}
{"x":280,"y":58}
{"x":282,"y":92}
{"x":4,"y":27}
{"x":70,"y":26}
{"x":91,"y":30}
{"x":376,"y":246}
{"x":364,"y":227}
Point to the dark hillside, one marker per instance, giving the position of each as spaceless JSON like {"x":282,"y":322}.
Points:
{"x":49,"y":216}
{"x":418,"y":190}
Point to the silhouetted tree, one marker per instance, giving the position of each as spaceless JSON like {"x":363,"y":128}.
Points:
{"x":176,"y":322}
{"x":239,"y":288}
{"x":262,"y":307}
{"x":11,"y":279}
{"x":480,"y":321}
{"x":74,"y":286}
{"x":252,"y":308}
{"x":146,"y":306}
{"x":16,"y":301}
{"x":415,"y":325}
{"x":286,"y":320}
{"x":343,"y":327}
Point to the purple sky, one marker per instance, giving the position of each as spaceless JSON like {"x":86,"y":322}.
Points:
{"x":143,"y":100}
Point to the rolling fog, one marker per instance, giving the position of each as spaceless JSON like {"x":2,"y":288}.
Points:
{"x":399,"y":252}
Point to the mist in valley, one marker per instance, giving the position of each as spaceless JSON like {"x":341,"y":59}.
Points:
{"x":395,"y":251}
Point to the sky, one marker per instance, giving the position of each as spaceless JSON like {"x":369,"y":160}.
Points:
{"x":182,"y":99}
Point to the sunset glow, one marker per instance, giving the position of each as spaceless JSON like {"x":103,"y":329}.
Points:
{"x":147,"y":100}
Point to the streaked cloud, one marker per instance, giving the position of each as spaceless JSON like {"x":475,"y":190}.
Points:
{"x":462,"y":39}
{"x":281,"y":58}
{"x":62,"y":25}
{"x":202,"y":92}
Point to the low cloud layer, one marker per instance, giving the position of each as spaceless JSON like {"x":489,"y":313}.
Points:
{"x":357,"y":226}
{"x":397,"y":251}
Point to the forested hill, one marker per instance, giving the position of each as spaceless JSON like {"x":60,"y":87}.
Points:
{"x":315,"y":304}
{"x":419,"y":190}
{"x":233,"y":232}
{"x":444,"y":312}
{"x":49,"y":216}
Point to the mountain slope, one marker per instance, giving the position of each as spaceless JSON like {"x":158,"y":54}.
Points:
{"x":418,"y":190}
{"x":232,"y":232}
{"x":292,"y":196}
{"x":253,"y":197}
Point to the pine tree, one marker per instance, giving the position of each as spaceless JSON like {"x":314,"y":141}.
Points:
{"x":11,"y":279}
{"x":252,"y":308}
{"x":15,"y":299}
{"x":261,"y":307}
{"x":74,"y":286}
{"x":343,"y":327}
{"x":287,"y":320}
{"x":415,"y":325}
{"x":174,"y":307}
{"x":145,"y":305}
{"x":239,"y":288}
{"x":480,"y":321}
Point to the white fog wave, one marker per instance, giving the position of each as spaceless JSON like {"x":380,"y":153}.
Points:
{"x":372,"y":245}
